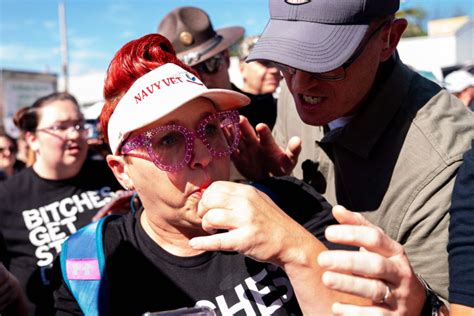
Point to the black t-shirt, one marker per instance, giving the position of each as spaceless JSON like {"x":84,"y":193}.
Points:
{"x":37,"y":215}
{"x":143,"y":277}
{"x":261,"y":109}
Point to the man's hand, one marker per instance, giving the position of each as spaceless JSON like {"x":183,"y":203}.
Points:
{"x":380,"y":271}
{"x":120,"y":204}
{"x":259,"y":156}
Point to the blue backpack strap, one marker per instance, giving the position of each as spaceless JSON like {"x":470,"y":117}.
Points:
{"x":82,"y":265}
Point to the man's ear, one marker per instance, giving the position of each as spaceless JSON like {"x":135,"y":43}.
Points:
{"x":392,"y":38}
{"x":119,"y":168}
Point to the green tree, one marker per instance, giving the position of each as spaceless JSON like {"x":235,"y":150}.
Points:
{"x":415,"y":17}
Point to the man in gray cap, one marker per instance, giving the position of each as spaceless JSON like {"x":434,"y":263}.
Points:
{"x":392,"y":144}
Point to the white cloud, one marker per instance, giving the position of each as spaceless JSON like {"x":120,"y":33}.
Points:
{"x":12,"y":52}
{"x":50,"y":25}
{"x":79,"y":68}
{"x":87,"y":54}
{"x":127,"y":34}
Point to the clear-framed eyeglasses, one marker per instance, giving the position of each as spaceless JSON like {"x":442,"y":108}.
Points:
{"x":170,"y":147}
{"x":340,"y":72}
{"x":64,"y":130}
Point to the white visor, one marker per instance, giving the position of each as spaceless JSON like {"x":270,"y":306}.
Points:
{"x":158,"y":93}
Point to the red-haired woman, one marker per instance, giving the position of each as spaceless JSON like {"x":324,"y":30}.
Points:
{"x":43,"y":204}
{"x":199,"y":239}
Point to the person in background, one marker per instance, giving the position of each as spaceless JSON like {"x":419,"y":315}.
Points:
{"x":45,"y":203}
{"x":198,"y":240}
{"x":207,"y":50}
{"x":393,"y":140}
{"x":260,"y":80}
{"x":461,"y":84}
{"x":9,"y":164}
{"x":461,"y":239}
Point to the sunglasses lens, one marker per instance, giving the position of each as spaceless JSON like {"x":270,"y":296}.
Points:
{"x":169,"y":147}
{"x":221,"y":134}
{"x":209,"y":66}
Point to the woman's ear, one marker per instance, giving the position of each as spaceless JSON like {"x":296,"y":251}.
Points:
{"x":119,"y":168}
{"x":32,"y":141}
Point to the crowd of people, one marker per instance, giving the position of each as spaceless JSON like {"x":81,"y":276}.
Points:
{"x":335,"y":180}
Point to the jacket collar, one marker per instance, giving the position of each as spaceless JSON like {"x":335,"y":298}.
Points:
{"x":374,"y":116}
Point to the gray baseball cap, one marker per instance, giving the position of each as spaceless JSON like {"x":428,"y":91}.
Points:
{"x":317,"y":35}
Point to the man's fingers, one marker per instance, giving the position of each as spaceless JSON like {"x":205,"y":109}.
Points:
{"x":246,"y":130}
{"x":343,"y":216}
{"x":371,"y":238}
{"x":293,"y":149}
{"x":366,"y":264}
{"x":265,"y":134}
{"x":340,"y":309}
{"x":359,"y":286}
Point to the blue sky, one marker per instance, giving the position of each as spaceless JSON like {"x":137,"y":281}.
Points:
{"x":30,"y":40}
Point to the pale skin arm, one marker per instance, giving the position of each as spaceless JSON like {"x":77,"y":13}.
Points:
{"x":257,"y":228}
{"x":381,"y":261}
{"x":12,"y":298}
{"x":461,"y":310}
{"x":259,"y":156}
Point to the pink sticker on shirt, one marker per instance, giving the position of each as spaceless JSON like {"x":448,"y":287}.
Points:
{"x":82,"y":269}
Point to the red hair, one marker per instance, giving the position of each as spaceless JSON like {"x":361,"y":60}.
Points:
{"x":133,"y":60}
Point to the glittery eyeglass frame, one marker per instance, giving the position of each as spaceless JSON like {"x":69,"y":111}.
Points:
{"x":229,"y":118}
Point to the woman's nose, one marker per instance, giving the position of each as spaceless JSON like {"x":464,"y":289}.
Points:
{"x":201,"y":157}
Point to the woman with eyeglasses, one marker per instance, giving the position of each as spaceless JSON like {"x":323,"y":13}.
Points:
{"x":9,"y":164}
{"x":198,"y":240}
{"x":45,"y":203}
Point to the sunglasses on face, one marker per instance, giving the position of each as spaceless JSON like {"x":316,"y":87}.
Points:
{"x":10,"y":149}
{"x":171,"y":146}
{"x":210,"y":66}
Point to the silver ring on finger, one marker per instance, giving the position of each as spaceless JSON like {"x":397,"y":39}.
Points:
{"x":387,"y":296}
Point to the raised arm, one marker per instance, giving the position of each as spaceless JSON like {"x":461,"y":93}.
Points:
{"x":257,"y":228}
{"x":259,"y":156}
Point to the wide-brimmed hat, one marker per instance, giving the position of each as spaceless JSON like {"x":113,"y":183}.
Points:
{"x":160,"y":92}
{"x":317,"y":35}
{"x":190,"y":31}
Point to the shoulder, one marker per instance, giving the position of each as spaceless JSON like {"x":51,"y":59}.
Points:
{"x":17,"y":182}
{"x":299,"y":199}
{"x":117,"y":229}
